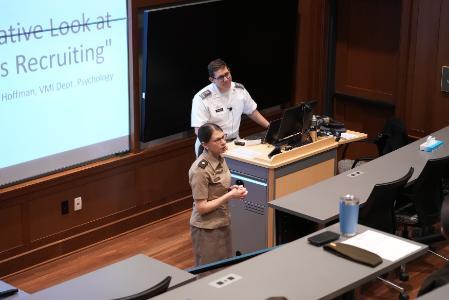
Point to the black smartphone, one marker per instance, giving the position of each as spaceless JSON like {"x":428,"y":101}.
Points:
{"x":9,"y":292}
{"x":323,"y":238}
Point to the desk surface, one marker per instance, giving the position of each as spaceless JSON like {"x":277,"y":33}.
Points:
{"x":440,"y":293}
{"x":296,"y":270}
{"x":123,"y":278}
{"x":319,"y":202}
{"x":258,"y":154}
{"x":19,"y":296}
{"x":353,"y":137}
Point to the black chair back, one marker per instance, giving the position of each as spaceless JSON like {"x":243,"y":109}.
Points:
{"x":153,"y":291}
{"x":427,"y":194}
{"x":378,"y":211}
{"x":393,"y":136}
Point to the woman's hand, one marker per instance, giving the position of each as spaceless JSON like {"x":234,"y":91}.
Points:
{"x":238,"y":191}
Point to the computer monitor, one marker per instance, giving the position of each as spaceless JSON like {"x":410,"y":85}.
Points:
{"x":308,"y":108}
{"x":272,"y":134}
{"x":291,"y":123}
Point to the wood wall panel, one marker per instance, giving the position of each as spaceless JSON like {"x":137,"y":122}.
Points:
{"x":75,"y":242}
{"x":422,"y":66}
{"x":11,"y":227}
{"x":362,"y":116}
{"x":165,"y":178}
{"x":312,"y":52}
{"x":115,"y":196}
{"x":440,"y":109}
{"x":367,"y":48}
{"x":404,"y":58}
{"x":101,"y":197}
{"x":368,"y":51}
{"x":392,"y":51}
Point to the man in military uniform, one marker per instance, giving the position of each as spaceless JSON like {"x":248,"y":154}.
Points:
{"x":223,"y":102}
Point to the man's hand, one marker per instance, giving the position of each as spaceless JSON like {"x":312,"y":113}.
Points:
{"x":259,"y":119}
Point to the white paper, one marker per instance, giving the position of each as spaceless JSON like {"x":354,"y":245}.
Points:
{"x":348,"y":136}
{"x":244,"y":152}
{"x":386,"y":246}
{"x":253,"y":142}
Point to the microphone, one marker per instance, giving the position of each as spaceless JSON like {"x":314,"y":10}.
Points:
{"x":337,"y":135}
{"x":230,"y":108}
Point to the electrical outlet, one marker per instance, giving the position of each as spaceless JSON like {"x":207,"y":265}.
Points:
{"x":64,"y":207}
{"x":224,"y":281}
{"x":355,"y":174}
{"x":77,"y":203}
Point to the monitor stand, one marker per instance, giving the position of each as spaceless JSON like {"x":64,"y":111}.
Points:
{"x":298,"y":140}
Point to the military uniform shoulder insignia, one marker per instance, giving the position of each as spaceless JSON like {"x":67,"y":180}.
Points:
{"x":202,"y":164}
{"x":239,"y":86}
{"x":205,"y":94}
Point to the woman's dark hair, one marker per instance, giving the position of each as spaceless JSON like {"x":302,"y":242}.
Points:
{"x":444,"y":218}
{"x":215,"y":65}
{"x":206,"y":130}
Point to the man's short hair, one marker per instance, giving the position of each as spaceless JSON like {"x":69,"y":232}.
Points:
{"x":215,"y":65}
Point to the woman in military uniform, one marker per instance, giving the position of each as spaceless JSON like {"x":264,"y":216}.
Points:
{"x":210,"y":180}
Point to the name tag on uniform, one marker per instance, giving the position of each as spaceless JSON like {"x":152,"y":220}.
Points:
{"x":219,"y":110}
{"x":216,"y":179}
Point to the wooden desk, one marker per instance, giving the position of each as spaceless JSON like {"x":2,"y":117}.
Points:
{"x":258,"y":154}
{"x":296,"y":270}
{"x":271,"y":178}
{"x":123,"y":278}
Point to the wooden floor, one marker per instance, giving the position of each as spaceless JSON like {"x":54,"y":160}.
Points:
{"x":169,"y":241}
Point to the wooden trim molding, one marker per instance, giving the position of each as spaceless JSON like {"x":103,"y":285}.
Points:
{"x":90,"y":237}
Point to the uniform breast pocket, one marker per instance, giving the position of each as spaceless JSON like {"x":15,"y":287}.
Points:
{"x":217,"y":188}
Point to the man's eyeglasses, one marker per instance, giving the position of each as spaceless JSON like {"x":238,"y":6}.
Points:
{"x":223,"y":137}
{"x":221,"y":78}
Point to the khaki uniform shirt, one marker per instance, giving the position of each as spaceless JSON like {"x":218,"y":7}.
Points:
{"x":209,"y":179}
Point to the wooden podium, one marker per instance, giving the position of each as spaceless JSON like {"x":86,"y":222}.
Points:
{"x":270,"y":178}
